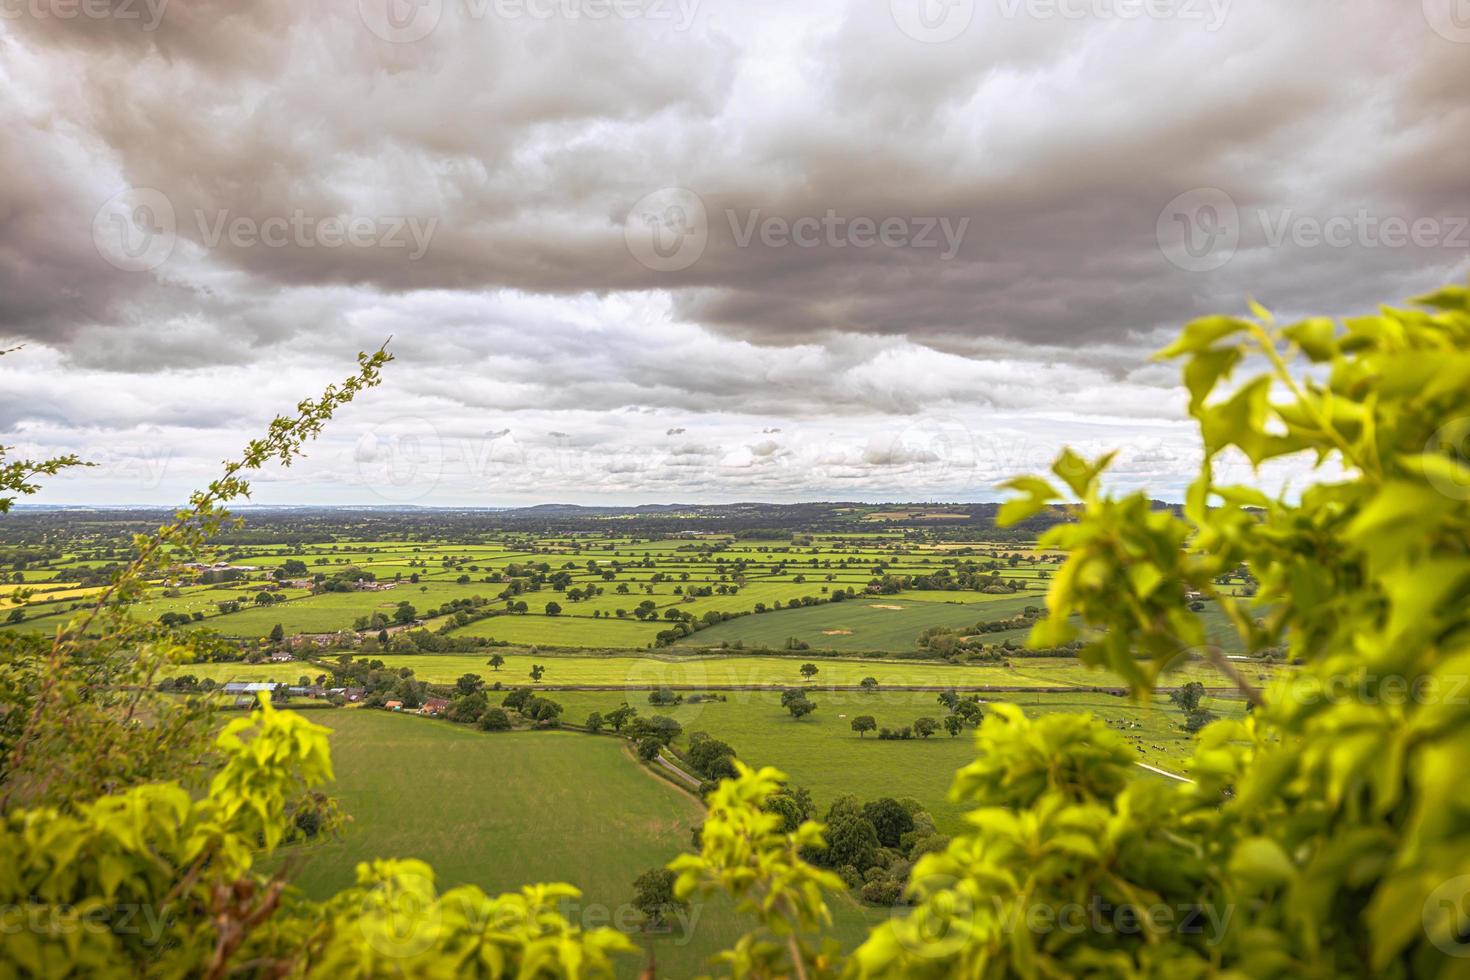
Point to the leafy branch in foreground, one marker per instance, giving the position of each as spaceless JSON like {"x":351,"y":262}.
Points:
{"x":16,"y":475}
{"x":1323,"y":833}
{"x":78,"y":715}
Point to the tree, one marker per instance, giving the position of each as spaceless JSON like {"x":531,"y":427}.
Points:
{"x":553,"y":609}
{"x":495,"y":720}
{"x":277,"y":633}
{"x":710,"y":757}
{"x":851,"y":840}
{"x":620,"y":716}
{"x":1197,"y":719}
{"x":653,"y":895}
{"x":663,"y":728}
{"x":953,"y":724}
{"x":890,"y":820}
{"x":869,"y":684}
{"x":467,"y":708}
{"x":863,"y":724}
{"x":969,"y":710}
{"x":1187,"y":696}
{"x":800,"y":707}
{"x":405,"y":613}
{"x":382,"y":637}
{"x":594,"y":722}
{"x":468,"y":684}
{"x":495,"y":662}
{"x":648,"y":748}
{"x":537,"y":672}
{"x":542,"y":710}
{"x":808,"y":671}
{"x":924,"y":727}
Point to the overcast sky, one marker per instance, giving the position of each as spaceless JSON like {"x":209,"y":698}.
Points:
{"x":690,"y":250}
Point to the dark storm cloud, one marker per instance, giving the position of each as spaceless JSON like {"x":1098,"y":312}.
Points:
{"x":743,"y":217}
{"x":1022,"y":166}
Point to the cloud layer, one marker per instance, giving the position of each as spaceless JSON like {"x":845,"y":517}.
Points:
{"x":672,"y":249}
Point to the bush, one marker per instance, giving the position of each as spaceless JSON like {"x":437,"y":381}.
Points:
{"x":885,"y":891}
{"x":495,"y":720}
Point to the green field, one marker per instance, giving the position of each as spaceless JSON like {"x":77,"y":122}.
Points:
{"x":776,"y":589}
{"x":500,"y":810}
{"x":822,"y":753}
{"x":567,"y":631}
{"x":868,"y":623}
{"x":639,"y":673}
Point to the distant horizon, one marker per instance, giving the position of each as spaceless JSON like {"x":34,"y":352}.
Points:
{"x":36,"y":505}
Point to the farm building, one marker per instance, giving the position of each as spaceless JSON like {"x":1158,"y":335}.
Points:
{"x":434,"y":706}
{"x":247,"y":692}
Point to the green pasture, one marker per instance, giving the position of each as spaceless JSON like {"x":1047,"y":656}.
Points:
{"x":639,"y":673}
{"x":865,"y":623}
{"x":499,"y":810}
{"x":822,"y":753}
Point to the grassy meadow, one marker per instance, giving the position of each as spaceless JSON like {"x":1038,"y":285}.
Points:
{"x":639,"y":673}
{"x":822,"y":753}
{"x":500,"y":810}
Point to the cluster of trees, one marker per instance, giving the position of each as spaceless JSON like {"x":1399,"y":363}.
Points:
{"x":344,"y":579}
{"x":960,"y":710}
{"x":961,"y":576}
{"x":873,"y":846}
{"x":186,"y":684}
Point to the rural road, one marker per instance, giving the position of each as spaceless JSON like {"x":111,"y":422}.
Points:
{"x":678,"y":772}
{"x":1164,"y":772}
